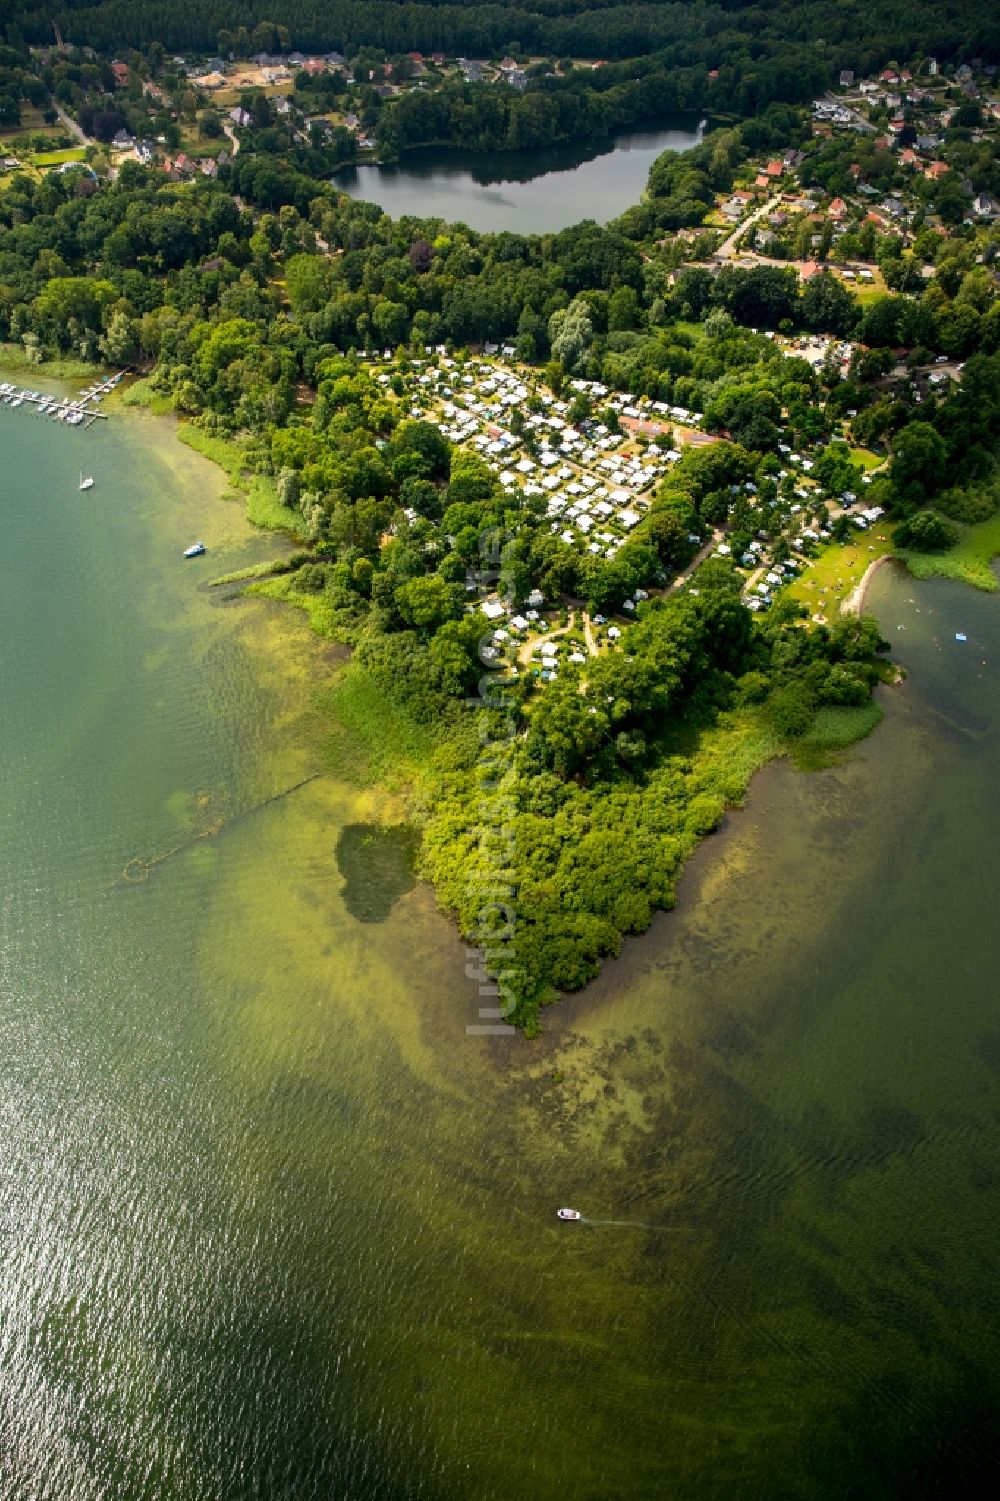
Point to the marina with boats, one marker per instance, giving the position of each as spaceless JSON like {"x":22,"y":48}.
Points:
{"x":82,"y":410}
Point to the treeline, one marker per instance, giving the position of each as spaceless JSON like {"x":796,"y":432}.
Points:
{"x":852,"y":33}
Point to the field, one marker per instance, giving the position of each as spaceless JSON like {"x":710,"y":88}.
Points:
{"x":838,"y":569}
{"x":31,"y":119}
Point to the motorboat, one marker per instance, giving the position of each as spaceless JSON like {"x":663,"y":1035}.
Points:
{"x":195,"y":550}
{"x":88,"y":483}
{"x":569,"y":1214}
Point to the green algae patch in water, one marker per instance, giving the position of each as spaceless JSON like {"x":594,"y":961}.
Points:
{"x":378,"y":865}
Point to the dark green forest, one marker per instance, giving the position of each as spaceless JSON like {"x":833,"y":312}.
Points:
{"x":849,"y":33}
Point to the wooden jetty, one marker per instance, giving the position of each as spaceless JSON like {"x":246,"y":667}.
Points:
{"x":78,"y":411}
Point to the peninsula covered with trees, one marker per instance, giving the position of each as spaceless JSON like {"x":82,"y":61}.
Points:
{"x":584,"y":504}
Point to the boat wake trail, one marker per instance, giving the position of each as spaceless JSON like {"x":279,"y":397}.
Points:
{"x":631,"y":1224}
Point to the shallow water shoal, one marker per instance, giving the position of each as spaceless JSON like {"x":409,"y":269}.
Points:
{"x":273,"y":1224}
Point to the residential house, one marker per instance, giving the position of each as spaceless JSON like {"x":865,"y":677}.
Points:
{"x":846,"y":78}
{"x":774,"y":169}
{"x":837,"y":209}
{"x":239,"y":116}
{"x":122,"y":141}
{"x":985,"y":206}
{"x":120,"y":73}
{"x":936,"y":170}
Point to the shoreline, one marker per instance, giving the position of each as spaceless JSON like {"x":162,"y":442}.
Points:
{"x":653,"y":124}
{"x":854,"y":603}
{"x":750,"y":747}
{"x":740,"y":750}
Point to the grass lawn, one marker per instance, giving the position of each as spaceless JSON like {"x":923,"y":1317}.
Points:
{"x":866,"y":458}
{"x":868,"y":292}
{"x":695,"y":330}
{"x":838,"y":569}
{"x":969,"y":560}
{"x":57,"y":158}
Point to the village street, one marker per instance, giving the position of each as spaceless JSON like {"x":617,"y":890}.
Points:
{"x":728,"y":247}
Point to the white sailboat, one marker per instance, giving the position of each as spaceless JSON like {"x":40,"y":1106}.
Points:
{"x":86,"y":484}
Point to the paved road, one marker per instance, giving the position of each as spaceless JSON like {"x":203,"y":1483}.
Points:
{"x":705,"y":551}
{"x":728,"y":247}
{"x":74,"y":129}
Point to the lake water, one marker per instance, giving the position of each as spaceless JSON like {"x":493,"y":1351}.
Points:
{"x":273,"y":1225}
{"x":528,"y":192}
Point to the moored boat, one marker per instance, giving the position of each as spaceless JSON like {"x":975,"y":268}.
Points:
{"x":569,"y":1214}
{"x":195,"y":550}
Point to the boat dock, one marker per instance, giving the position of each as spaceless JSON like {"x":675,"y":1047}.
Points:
{"x":79,"y":411}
